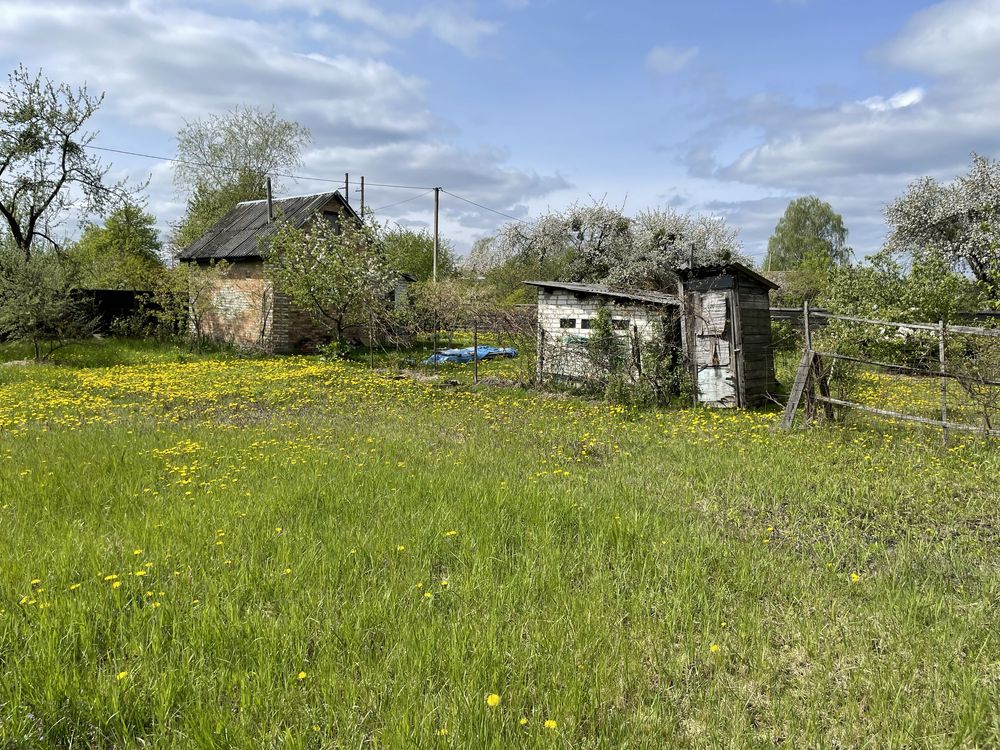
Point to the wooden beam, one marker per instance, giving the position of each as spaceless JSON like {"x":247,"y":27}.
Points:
{"x":802,"y":377}
{"x":910,"y":417}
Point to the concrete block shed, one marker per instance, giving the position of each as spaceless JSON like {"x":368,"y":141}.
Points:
{"x":720,"y":316}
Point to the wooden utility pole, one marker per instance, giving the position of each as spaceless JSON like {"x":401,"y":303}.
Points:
{"x":437,"y":212}
{"x":347,"y":188}
{"x":362,"y":196}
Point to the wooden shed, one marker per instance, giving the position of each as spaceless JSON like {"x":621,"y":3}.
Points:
{"x":727,"y":334}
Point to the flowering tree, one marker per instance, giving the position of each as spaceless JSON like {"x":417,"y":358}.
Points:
{"x":599,"y":243}
{"x":960,"y":221}
{"x":337,"y":273}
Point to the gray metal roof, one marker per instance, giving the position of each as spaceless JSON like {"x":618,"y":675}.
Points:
{"x":635,"y":295}
{"x":244,"y":232}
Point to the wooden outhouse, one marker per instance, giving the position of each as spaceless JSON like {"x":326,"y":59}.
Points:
{"x":727,"y":334}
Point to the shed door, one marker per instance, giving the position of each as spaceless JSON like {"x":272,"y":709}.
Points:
{"x":713,"y":349}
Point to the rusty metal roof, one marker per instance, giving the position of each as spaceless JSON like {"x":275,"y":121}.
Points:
{"x":635,"y":295}
{"x":243,"y":233}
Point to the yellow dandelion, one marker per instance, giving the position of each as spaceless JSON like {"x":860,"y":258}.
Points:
{"x":302,"y":675}
{"x":442,"y":732}
{"x":523,"y":721}
{"x":121,"y":676}
{"x":400,"y":548}
{"x":74,"y":586}
{"x":451,"y":533}
{"x":35,"y":581}
{"x":139,"y":573}
{"x":116,"y":584}
{"x":714,"y":648}
{"x":137,"y":552}
{"x":855,"y":577}
{"x":492,"y":700}
{"x":550,"y":724}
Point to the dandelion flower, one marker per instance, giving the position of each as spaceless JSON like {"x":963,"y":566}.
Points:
{"x":523,"y":720}
{"x":442,"y":732}
{"x":116,"y":584}
{"x":74,"y":586}
{"x":492,"y":700}
{"x":302,"y":675}
{"x":714,"y":648}
{"x":137,"y":552}
{"x":855,"y":577}
{"x":550,"y":724}
{"x":451,"y":533}
{"x":121,"y":676}
{"x":400,"y":548}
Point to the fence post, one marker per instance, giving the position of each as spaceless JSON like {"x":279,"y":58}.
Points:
{"x":807,"y":333}
{"x":475,"y":350}
{"x":944,"y":383}
{"x":540,"y":357}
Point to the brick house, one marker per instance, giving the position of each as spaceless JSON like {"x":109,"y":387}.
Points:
{"x":245,"y":309}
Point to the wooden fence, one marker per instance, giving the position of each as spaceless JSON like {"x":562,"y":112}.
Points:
{"x":811,"y":383}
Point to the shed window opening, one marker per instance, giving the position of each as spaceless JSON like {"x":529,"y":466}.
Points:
{"x":567,"y":322}
{"x":620,"y":324}
{"x":585,"y":323}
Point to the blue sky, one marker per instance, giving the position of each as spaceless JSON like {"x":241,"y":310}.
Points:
{"x":725,"y":107}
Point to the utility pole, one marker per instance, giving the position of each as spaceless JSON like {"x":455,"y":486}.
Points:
{"x":437,"y":212}
{"x":270,"y":201}
{"x":362,"y":196}
{"x":347,"y":188}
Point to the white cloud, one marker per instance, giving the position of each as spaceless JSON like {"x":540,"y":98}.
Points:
{"x":667,"y":60}
{"x":861,"y":154}
{"x":900,"y":100}
{"x":163,"y":63}
{"x":955,"y":39}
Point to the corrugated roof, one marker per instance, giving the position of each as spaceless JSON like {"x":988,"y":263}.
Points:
{"x":242,"y":232}
{"x":738,"y":269}
{"x":657,"y":298}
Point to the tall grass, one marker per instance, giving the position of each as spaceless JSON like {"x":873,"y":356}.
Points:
{"x":289,"y":553}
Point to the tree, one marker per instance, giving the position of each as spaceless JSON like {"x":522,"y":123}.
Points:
{"x":339,"y":275}
{"x":598,"y":243}
{"x":185,"y":299}
{"x":122,"y":254}
{"x":225,"y":159}
{"x":960,"y":221}
{"x":412,"y":252}
{"x":45,"y":167}
{"x":37,"y":304}
{"x":809,"y":236}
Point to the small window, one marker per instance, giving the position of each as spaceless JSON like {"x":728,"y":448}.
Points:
{"x":567,"y":322}
{"x":585,"y":323}
{"x":334,"y":218}
{"x":620,"y":324}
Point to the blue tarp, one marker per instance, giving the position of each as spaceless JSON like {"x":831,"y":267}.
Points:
{"x":464,"y":356}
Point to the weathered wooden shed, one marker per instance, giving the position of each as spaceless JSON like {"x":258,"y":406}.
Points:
{"x":720,"y":317}
{"x":727,"y":334}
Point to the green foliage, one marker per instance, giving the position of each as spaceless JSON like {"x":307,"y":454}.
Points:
{"x":927,"y":291}
{"x":412,"y":252}
{"x":207,"y":204}
{"x":810,"y":234}
{"x":338,"y":274}
{"x":809,"y":241}
{"x":122,"y":254}
{"x":37,"y":303}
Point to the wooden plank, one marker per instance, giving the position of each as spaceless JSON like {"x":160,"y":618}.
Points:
{"x":972,"y":330}
{"x":798,"y":388}
{"x":824,"y":388}
{"x":910,"y":417}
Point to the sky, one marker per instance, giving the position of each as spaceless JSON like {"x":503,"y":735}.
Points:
{"x":725,"y":107}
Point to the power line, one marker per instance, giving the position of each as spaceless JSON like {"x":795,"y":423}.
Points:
{"x":485,"y":208}
{"x":425,"y":190}
{"x":405,"y":200}
{"x":234,"y":169}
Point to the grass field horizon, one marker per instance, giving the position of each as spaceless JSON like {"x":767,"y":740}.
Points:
{"x":211,"y":551}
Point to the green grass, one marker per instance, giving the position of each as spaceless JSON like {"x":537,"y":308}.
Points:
{"x":291,"y":516}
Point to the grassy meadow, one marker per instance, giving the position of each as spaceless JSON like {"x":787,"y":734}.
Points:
{"x":212,"y":551}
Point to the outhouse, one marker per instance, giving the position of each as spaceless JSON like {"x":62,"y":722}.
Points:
{"x":726,"y":314}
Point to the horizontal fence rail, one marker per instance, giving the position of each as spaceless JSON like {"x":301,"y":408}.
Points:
{"x":811,"y":375}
